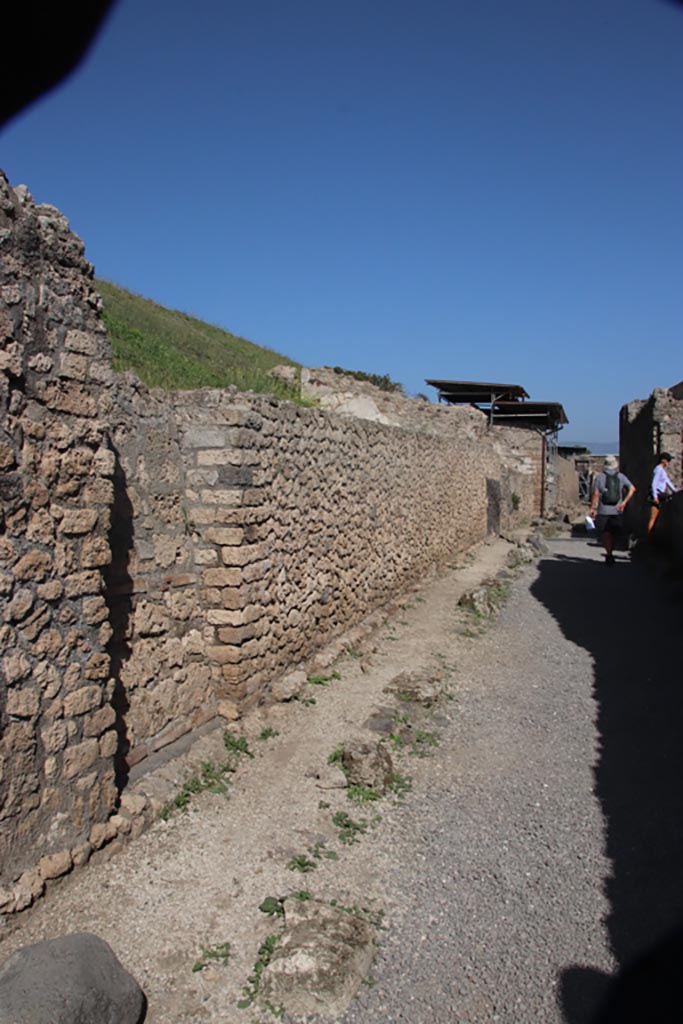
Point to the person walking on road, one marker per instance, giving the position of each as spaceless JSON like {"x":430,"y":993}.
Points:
{"x":612,"y":492}
{"x":660,"y":488}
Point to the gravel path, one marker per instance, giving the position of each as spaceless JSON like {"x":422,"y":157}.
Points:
{"x":513,"y":910}
{"x":502,"y":854}
{"x":539,"y":847}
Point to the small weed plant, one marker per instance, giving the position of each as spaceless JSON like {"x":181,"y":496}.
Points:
{"x":211,"y":955}
{"x":350,"y":831}
{"x":300,"y":862}
{"x":272,"y":906}
{"x":374,"y":917}
{"x":320,"y":853}
{"x":236,"y":746}
{"x":337,"y":758}
{"x":399,"y":785}
{"x":307,"y":862}
{"x":323,"y":680}
{"x":263,"y":958}
{"x":424,"y":742}
{"x":211,"y":777}
{"x":362,"y":795}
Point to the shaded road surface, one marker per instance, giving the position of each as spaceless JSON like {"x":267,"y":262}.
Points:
{"x":545,"y":845}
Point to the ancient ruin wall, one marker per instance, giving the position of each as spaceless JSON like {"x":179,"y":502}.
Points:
{"x":305,"y":520}
{"x":163,"y":685}
{"x":57,"y":722}
{"x":647,"y":427}
{"x":165,"y":557}
{"x":567,"y":484}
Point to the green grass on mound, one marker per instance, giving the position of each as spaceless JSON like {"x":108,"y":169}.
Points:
{"x":171,"y":350}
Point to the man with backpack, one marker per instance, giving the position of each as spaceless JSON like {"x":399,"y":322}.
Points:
{"x":612,"y":492}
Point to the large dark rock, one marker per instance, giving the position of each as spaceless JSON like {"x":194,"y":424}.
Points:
{"x":75,"y":979}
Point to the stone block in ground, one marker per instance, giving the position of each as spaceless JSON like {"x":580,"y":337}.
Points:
{"x":321,"y":960}
{"x":537,"y":542}
{"x":382,"y":720}
{"x":75,"y":979}
{"x":422,"y":687}
{"x":522,"y":555}
{"x":330,"y":776}
{"x":367,"y":763}
{"x":478,"y":601}
{"x":327,"y":657}
{"x":288,"y":687}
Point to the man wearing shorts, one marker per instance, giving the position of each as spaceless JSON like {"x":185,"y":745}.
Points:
{"x":612,"y":492}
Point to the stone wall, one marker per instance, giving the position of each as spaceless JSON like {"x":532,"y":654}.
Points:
{"x":163,"y":685}
{"x":647,"y":427}
{"x":165,"y":557}
{"x":567,"y":484}
{"x":56,"y":717}
{"x":305,"y":520}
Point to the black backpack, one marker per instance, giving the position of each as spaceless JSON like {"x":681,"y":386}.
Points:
{"x":612,"y":492}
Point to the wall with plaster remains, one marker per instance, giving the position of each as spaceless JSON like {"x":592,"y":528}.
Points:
{"x":165,"y":557}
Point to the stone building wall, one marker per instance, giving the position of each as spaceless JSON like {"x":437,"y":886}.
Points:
{"x":56,"y":719}
{"x":163,"y":558}
{"x":647,"y":427}
{"x":162,"y":683}
{"x":567,"y":484}
{"x":306,"y":520}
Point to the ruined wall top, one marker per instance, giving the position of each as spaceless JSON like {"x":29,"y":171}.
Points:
{"x":50,"y":324}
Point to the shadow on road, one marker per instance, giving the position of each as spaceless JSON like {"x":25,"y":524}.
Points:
{"x":629,"y":621}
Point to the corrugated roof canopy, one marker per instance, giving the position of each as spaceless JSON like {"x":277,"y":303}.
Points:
{"x":546,"y":415}
{"x":504,"y":403}
{"x":469,"y":391}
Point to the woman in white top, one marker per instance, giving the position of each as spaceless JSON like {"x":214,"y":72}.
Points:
{"x":661,"y":485}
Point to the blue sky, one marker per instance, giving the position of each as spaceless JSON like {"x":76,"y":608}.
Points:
{"x":453,"y":189}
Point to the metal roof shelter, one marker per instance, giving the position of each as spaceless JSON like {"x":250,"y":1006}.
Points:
{"x":547,"y":416}
{"x":468,"y":392}
{"x":504,"y":403}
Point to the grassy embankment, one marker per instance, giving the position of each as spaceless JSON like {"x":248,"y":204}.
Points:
{"x":171,"y":350}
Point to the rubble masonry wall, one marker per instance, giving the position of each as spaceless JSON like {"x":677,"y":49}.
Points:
{"x":163,"y":558}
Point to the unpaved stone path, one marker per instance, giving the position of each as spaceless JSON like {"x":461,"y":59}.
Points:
{"x":490,"y":873}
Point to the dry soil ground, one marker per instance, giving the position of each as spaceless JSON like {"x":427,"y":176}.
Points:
{"x":196,"y":880}
{"x":539,"y":844}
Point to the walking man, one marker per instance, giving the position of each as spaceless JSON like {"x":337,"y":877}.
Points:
{"x":612,"y":492}
{"x":660,"y":488}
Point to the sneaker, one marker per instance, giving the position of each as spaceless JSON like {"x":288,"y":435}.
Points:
{"x":609,"y":560}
